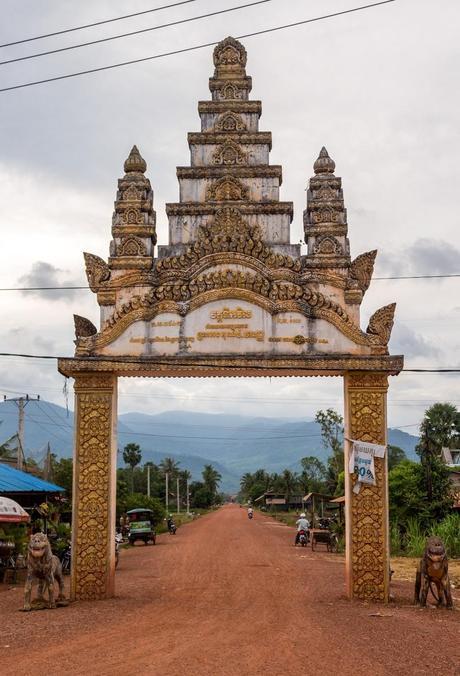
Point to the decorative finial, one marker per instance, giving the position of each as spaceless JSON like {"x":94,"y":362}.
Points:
{"x":135,"y":162}
{"x":324,"y":164}
{"x":230,"y":56}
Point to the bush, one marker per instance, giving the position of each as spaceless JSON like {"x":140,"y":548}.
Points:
{"x":414,"y":538}
{"x":140,"y":500}
{"x":449,"y":532}
{"x":395,"y":540}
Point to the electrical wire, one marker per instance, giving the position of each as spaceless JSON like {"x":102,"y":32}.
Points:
{"x":227,"y":367}
{"x":96,"y":23}
{"x":137,"y":32}
{"x":114,"y":288}
{"x":193,"y":48}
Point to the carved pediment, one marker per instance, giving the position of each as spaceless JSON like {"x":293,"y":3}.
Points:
{"x":229,"y":153}
{"x":131,"y":246}
{"x":227,"y":188}
{"x":328,"y":246}
{"x":362,"y":267}
{"x":230,"y":91}
{"x":133,"y":217}
{"x":325,"y":215}
{"x":230,"y":122}
{"x":132,"y":194}
{"x":97,"y":271}
{"x":228,"y":233}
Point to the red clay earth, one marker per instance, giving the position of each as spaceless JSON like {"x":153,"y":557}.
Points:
{"x":229,"y":596}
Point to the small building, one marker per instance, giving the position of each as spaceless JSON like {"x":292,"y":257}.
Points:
{"x":26,"y":489}
{"x":451,"y":457}
{"x":279,"y":501}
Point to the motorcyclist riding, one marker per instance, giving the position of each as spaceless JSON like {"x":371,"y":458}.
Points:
{"x":170,"y":523}
{"x":250,"y":512}
{"x":302,"y":525}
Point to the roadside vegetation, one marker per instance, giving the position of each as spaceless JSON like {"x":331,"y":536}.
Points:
{"x":420,"y":493}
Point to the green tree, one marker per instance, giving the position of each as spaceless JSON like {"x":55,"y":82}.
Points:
{"x":440,"y":427}
{"x":313,"y":475}
{"x":62,"y":473}
{"x":331,"y":424}
{"x":136,"y":500}
{"x":290,"y":483}
{"x":395,"y":456}
{"x":211,"y":478}
{"x":169,"y":466}
{"x":408,"y":496}
{"x":132,"y":456}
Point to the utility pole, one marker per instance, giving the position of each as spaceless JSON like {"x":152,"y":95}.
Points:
{"x":188,"y":500}
{"x":178,"y":499}
{"x":21,"y":403}
{"x":148,"y":480}
{"x":47,"y":467}
{"x":167,"y":490}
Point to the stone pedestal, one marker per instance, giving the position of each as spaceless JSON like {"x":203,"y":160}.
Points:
{"x":94,"y":486}
{"x":367,"y":537}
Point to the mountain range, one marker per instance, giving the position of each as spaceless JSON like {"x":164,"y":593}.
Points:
{"x":234,"y":444}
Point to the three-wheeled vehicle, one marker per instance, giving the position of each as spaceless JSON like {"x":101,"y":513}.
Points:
{"x":141,"y":526}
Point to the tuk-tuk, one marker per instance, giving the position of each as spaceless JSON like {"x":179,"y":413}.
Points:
{"x":141,"y":526}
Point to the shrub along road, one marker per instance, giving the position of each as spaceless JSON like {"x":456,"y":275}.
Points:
{"x":228,"y":596}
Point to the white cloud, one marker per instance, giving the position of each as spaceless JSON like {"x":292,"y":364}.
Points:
{"x":378,"y":94}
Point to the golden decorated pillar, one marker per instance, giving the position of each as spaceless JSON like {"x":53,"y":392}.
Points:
{"x":367,"y":536}
{"x":94,"y":486}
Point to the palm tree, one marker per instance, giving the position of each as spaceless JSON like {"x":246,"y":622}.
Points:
{"x":290,"y":482}
{"x":211,"y":478}
{"x":132,"y":456}
{"x":169,"y":466}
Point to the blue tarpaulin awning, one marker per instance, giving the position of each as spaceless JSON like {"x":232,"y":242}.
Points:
{"x":14,"y":481}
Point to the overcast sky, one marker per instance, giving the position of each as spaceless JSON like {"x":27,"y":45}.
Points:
{"x":379,"y":88}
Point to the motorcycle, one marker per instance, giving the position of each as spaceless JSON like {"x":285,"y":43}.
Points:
{"x":302,"y":538}
{"x":250,"y":515}
{"x":66,"y":558}
{"x":118,"y":543}
{"x":172,"y":528}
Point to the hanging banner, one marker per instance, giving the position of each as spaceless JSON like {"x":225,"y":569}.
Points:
{"x":361,"y":462}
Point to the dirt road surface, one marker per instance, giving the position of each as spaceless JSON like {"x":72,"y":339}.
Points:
{"x":229,"y":596}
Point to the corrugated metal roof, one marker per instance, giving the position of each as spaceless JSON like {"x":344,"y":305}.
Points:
{"x":14,"y":481}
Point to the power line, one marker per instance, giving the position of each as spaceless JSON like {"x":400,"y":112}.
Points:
{"x":96,"y":23}
{"x":137,"y":32}
{"x":418,"y":277}
{"x":193,"y":48}
{"x":228,"y":367}
{"x":114,"y":287}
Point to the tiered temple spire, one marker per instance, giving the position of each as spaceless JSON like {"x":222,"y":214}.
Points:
{"x":229,"y":165}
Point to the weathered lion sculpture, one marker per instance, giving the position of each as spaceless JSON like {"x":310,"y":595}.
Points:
{"x":45,"y":568}
{"x":433,"y":569}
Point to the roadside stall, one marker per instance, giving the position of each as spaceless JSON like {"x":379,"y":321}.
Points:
{"x":13,"y":531}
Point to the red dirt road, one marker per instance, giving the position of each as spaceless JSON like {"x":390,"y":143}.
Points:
{"x":227,"y":596}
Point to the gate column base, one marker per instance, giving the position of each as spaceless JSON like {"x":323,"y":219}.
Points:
{"x":367,"y":536}
{"x":94,"y":486}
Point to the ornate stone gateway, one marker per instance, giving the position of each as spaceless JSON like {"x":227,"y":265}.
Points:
{"x":228,"y":296}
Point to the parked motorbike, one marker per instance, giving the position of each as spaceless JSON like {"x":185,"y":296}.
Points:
{"x":66,"y":559}
{"x":118,"y":543}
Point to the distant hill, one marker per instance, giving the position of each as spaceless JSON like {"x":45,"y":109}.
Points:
{"x":234,"y":444}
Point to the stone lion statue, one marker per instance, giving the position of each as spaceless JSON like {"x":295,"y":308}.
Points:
{"x":433,"y":569}
{"x":45,"y":568}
